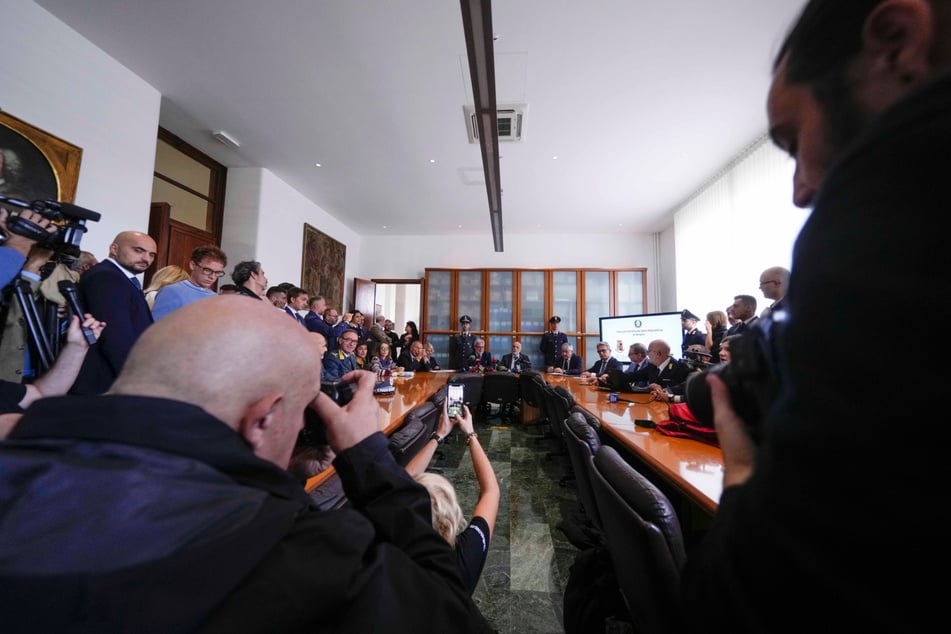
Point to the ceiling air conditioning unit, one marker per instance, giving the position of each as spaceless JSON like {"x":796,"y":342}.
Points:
{"x":511,"y":123}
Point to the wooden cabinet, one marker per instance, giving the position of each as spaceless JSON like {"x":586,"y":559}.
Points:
{"x":507,"y":304}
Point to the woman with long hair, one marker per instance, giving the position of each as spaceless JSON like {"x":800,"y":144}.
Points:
{"x":383,"y":360}
{"x":410,"y":334}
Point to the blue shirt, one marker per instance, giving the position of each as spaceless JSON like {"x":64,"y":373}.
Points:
{"x":176,"y":295}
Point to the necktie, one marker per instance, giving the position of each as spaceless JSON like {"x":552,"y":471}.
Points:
{"x":136,"y":283}
{"x":566,"y":365}
{"x":601,"y":371}
{"x":300,"y":319}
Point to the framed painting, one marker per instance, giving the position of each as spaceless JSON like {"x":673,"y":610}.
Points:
{"x":35,"y":165}
{"x":323,"y":265}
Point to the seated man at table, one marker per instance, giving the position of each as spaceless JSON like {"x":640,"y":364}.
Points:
{"x":606,"y":362}
{"x":517,"y":360}
{"x":172,"y":509}
{"x":414,"y":359}
{"x":568,"y":363}
{"x":671,"y":374}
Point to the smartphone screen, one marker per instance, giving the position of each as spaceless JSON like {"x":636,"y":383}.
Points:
{"x":455,"y":397}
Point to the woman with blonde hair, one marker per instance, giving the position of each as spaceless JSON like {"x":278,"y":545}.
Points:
{"x":166,"y":275}
{"x":471,"y":542}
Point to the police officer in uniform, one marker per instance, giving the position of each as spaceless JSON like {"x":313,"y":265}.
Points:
{"x":552,"y":341}
{"x":692,"y":334}
{"x":461,"y":345}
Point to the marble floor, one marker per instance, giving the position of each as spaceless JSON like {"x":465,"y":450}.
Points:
{"x":523,"y":582}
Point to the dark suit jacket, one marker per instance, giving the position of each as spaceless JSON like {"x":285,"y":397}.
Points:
{"x":610,"y":364}
{"x":575,"y":364}
{"x":524,"y":362}
{"x":108,"y":294}
{"x":408,"y":363}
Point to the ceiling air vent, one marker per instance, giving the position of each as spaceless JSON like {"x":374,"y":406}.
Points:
{"x":511,"y":123}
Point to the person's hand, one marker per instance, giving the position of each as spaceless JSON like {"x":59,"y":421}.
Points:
{"x":464,"y":421}
{"x":347,"y":317}
{"x":444,"y":426}
{"x":37,"y":258}
{"x":355,"y":421}
{"x":74,"y":334}
{"x":735,"y":442}
{"x":22,"y":243}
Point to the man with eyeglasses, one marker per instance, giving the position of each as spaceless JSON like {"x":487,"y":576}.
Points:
{"x":206,"y":266}
{"x":772,"y":283}
{"x":341,"y":361}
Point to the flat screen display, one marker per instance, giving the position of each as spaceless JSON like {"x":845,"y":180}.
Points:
{"x":621,"y":331}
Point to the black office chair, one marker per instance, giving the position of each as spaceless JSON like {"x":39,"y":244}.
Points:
{"x":644,"y":539}
{"x":583,"y":442}
{"x":560,"y":401}
{"x":439,"y":396}
{"x":501,"y":388}
{"x":529,"y":387}
{"x":420,"y":423}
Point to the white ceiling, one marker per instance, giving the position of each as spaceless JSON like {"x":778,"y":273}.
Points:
{"x":641,"y":101}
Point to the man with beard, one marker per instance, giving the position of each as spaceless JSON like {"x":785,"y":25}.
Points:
{"x":810,"y":534}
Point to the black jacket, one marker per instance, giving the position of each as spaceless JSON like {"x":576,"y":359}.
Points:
{"x":134,"y":514}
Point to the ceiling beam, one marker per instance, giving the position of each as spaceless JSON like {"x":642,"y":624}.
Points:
{"x":477,"y":23}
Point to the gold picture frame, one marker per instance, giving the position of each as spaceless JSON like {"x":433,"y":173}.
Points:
{"x":323,"y":265}
{"x":36,"y":165}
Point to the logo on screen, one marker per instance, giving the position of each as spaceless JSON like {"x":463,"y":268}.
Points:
{"x":637,"y":323}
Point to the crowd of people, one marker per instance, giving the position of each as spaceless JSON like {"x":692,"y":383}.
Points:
{"x":189,"y":519}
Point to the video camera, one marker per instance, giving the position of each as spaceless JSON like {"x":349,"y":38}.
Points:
{"x":751,"y":377}
{"x":70,"y":221}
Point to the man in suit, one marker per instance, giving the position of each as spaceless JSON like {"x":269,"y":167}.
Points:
{"x":568,"y":363}
{"x":599,"y":370}
{"x":111,"y":292}
{"x":330,"y":326}
{"x":414,"y":359}
{"x":516,"y":361}
{"x":297,"y":301}
{"x":744,"y":309}
{"x":377,"y":334}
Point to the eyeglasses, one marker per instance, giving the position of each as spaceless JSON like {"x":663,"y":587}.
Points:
{"x":349,"y":339}
{"x":600,"y":350}
{"x":762,"y":284}
{"x":207,"y":271}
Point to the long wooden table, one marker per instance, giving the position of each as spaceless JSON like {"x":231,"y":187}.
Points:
{"x":692,"y":467}
{"x":410,"y":392}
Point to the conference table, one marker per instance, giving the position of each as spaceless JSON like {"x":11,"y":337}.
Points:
{"x":692,"y":468}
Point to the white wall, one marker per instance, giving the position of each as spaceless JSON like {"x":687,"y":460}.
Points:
{"x":56,"y":80}
{"x":264,"y":221}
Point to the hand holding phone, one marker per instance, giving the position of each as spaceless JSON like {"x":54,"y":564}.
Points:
{"x":455,"y":399}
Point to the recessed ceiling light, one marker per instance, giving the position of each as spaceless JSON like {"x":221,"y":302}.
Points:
{"x":384,"y":226}
{"x":432,"y":160}
{"x":554,"y":158}
{"x":317,"y":165}
{"x":460,"y":226}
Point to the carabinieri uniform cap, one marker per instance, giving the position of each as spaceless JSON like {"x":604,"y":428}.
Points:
{"x":688,"y":315}
{"x":465,"y":319}
{"x":555,"y":319}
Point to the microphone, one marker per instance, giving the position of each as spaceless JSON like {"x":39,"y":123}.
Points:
{"x":68,"y":289}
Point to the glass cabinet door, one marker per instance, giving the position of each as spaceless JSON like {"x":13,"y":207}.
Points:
{"x":597,"y":304}
{"x":630,"y":293}
{"x":533,"y":317}
{"x":565,"y":295}
{"x":500,"y":301}
{"x":438,"y":298}
{"x":470,"y":297}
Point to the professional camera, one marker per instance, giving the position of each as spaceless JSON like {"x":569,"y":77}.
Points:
{"x":69,"y":219}
{"x":697,"y":358}
{"x":751,"y":377}
{"x":314,"y":433}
